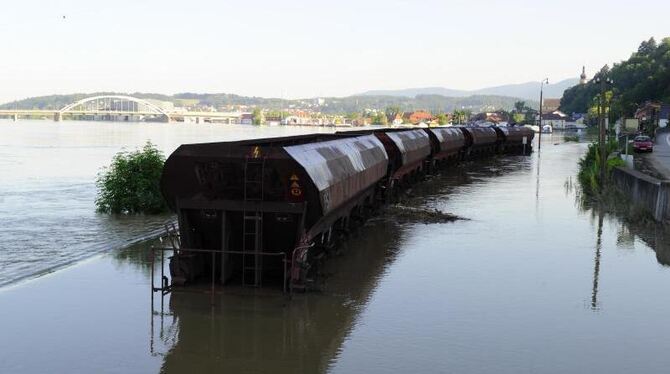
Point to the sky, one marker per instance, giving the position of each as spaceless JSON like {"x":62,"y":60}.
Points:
{"x":292,"y":49}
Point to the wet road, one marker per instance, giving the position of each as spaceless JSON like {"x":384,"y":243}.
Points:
{"x":661,"y":154}
{"x":533,"y":282}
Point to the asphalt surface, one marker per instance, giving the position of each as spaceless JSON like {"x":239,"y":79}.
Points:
{"x":660,"y":157}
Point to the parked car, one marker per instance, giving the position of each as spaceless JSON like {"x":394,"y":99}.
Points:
{"x":643,"y":143}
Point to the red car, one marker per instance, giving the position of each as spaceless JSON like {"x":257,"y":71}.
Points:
{"x":643,"y":143}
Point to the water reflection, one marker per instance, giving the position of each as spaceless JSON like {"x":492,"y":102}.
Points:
{"x":263,"y":331}
{"x":596,"y":261}
{"x":633,"y":224}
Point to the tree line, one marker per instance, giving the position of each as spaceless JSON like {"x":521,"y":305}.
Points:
{"x":644,"y":76}
{"x":331,"y":105}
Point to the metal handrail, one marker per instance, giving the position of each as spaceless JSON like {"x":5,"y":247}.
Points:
{"x":166,"y":288}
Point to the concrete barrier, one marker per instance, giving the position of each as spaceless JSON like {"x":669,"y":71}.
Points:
{"x":646,"y":192}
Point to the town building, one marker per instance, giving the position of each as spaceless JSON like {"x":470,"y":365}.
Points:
{"x":417,"y":116}
{"x":653,"y":113}
{"x":396,"y":119}
{"x":556,"y":119}
{"x":550,"y":105}
{"x":247,"y":119}
{"x":493,"y":117}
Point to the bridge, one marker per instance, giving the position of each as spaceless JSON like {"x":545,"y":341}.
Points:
{"x":118,"y":108}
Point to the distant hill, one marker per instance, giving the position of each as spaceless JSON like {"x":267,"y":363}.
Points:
{"x":330,"y":105}
{"x":526,"y":91}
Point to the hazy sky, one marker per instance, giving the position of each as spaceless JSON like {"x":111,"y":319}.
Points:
{"x":310,"y":48}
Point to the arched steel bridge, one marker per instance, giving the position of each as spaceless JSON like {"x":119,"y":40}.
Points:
{"x":113,"y":104}
{"x":114,"y":107}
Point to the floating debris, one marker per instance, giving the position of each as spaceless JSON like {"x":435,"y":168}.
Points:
{"x":427,"y":216}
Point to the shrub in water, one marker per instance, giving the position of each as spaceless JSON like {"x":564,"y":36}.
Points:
{"x":131,"y":184}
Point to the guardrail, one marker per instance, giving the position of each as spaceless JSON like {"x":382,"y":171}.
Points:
{"x":166,"y":288}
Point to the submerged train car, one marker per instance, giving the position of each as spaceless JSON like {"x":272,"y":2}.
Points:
{"x":483,"y":140}
{"x":267,"y":207}
{"x":255,"y":202}
{"x":447,"y":143}
{"x":408,"y":151}
{"x":516,"y":139}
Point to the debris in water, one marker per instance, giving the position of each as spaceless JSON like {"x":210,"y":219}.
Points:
{"x":403,"y":213}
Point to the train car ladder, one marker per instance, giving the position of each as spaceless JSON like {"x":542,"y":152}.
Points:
{"x":252,"y":222}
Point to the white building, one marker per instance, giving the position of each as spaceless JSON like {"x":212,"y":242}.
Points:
{"x":556,"y":119}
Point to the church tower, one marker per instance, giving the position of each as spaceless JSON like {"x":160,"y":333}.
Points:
{"x":582,"y":78}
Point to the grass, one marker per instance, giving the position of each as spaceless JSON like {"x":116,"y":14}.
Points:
{"x":589,"y":168}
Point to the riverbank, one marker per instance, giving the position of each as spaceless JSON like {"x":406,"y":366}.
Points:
{"x":530,"y":282}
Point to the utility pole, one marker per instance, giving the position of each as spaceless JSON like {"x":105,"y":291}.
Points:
{"x":604,"y":81}
{"x":539,"y":139}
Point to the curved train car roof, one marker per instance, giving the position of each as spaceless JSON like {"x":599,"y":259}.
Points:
{"x":482,"y":136}
{"x":341,"y":168}
{"x":414,"y":145}
{"x":338,"y":167}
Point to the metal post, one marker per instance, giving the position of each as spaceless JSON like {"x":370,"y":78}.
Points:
{"x":601,"y":120}
{"x":539,"y":138}
{"x":153,"y":253}
{"x":162,"y":277}
{"x":213,"y":272}
{"x":626,"y":146}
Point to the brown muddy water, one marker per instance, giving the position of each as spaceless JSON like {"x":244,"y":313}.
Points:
{"x":530,"y":283}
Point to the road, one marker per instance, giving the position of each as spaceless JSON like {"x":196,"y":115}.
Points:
{"x":660,"y":158}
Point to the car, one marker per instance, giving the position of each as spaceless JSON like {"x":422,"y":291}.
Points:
{"x":643,"y":143}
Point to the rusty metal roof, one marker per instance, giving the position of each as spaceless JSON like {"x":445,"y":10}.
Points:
{"x":341,"y":168}
{"x":414,"y":145}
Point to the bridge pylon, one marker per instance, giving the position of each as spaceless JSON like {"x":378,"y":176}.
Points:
{"x":58,"y":116}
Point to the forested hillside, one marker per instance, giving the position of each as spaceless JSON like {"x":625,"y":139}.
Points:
{"x":644,"y":76}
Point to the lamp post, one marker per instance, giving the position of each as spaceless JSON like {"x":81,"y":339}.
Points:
{"x":603,"y":82}
{"x":539,"y":139}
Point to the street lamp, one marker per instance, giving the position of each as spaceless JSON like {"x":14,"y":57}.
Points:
{"x":604,"y":82}
{"x":539,"y":140}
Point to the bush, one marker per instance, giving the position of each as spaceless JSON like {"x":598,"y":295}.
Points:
{"x":131,"y":184}
{"x":589,"y":167}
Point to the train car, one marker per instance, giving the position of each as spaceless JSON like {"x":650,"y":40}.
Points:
{"x":231,"y":196}
{"x":482,"y":140}
{"x":517,"y":139}
{"x":447,"y":143}
{"x":408,"y":151}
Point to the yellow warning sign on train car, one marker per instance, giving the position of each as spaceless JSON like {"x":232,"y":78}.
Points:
{"x":295,"y":188}
{"x":256,"y":153}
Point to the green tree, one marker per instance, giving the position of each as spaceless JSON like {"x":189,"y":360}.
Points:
{"x":644,"y":76}
{"x":353,"y":116}
{"x":380,"y":119}
{"x":392,"y":111}
{"x":518,"y":117}
{"x":131,"y":184}
{"x":519,"y":106}
{"x":442,"y":119}
{"x":258,"y":117}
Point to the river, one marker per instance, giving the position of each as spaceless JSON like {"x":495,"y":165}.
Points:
{"x":531,"y":282}
{"x":47,"y":189}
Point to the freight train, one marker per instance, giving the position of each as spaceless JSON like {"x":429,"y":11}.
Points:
{"x":262,"y":209}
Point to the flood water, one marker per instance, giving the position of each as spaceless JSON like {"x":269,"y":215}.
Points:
{"x":531,"y":282}
{"x":47,"y":186}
